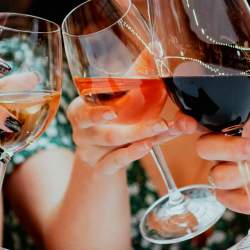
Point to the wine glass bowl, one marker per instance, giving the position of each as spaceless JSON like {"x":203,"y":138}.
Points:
{"x":109,"y":56}
{"x":205,"y":58}
{"x":199,"y":95}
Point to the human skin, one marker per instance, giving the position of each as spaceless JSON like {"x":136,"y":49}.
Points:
{"x":71,"y":202}
{"x":68,"y":200}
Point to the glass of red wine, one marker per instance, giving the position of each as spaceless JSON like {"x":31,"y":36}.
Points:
{"x":203,"y":58}
{"x":110,"y":54}
{"x":30,"y":80}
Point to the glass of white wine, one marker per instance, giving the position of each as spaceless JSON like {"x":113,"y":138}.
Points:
{"x":30,"y":80}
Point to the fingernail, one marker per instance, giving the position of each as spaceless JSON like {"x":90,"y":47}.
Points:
{"x":13,"y":124}
{"x":160,"y":127}
{"x":109,"y":115}
{"x":4,"y":67}
{"x":211,"y":181}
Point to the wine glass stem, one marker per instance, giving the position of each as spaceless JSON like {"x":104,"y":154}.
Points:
{"x":175,"y":196}
{"x":4,"y":160}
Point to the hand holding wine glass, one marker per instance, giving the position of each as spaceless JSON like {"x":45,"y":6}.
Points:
{"x":225,"y":175}
{"x":115,"y":147}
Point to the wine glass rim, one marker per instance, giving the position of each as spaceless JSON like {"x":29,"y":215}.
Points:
{"x":97,"y":32}
{"x":12,"y":14}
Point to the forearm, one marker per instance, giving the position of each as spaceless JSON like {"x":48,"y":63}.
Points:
{"x":95,"y":212}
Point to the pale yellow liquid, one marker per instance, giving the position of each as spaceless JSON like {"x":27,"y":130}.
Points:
{"x":34,"y":110}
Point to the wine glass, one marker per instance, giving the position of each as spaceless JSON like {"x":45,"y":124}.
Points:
{"x":110,"y":55}
{"x":30,"y":80}
{"x":107,"y":44}
{"x":203,"y":58}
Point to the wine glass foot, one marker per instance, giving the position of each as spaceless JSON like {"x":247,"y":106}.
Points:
{"x":168,"y":224}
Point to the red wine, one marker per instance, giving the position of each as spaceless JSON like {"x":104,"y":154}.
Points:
{"x":217,"y":102}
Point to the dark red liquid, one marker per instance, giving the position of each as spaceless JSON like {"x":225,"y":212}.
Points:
{"x":217,"y":102}
{"x":134,"y":100}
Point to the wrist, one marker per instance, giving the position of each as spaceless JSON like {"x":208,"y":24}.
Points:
{"x":95,"y":171}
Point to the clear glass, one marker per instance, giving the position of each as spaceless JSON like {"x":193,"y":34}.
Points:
{"x":110,"y":55}
{"x":30,"y":80}
{"x":202,"y":55}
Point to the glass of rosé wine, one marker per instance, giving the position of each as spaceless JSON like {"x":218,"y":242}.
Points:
{"x":111,"y":59}
{"x":30,"y":80}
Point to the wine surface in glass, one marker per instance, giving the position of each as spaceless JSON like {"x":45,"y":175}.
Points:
{"x":217,"y":102}
{"x":134,"y":99}
{"x":34,"y":110}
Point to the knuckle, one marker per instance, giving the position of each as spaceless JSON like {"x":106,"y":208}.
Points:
{"x":217,"y":173}
{"x":94,"y":116}
{"x":111,"y":139}
{"x":118,"y":161}
{"x":225,"y":173}
{"x":79,"y":137}
{"x":243,"y":207}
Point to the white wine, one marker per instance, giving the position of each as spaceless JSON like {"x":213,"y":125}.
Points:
{"x":34,"y":110}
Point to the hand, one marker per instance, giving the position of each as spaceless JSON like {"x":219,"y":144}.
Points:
{"x":110,"y":146}
{"x":225,"y":175}
{"x":14,"y":83}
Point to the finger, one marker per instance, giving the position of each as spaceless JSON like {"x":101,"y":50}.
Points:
{"x":4,"y":68}
{"x":84,"y":116}
{"x":123,"y":157}
{"x":226,"y":175}
{"x":236,"y":200}
{"x":20,"y":82}
{"x":223,"y":148}
{"x":8,"y":122}
{"x":118,"y":135}
{"x":189,"y":124}
{"x":182,"y":125}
